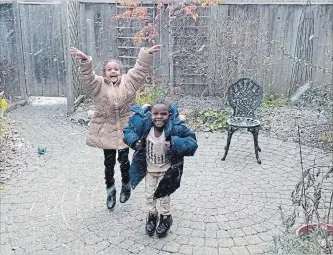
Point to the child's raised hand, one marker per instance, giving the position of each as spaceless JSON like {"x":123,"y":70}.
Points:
{"x":154,"y":49}
{"x":78,"y":54}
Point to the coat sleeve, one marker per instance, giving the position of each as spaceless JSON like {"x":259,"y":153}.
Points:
{"x":131,"y":132}
{"x":184,"y":143}
{"x":91,"y":82}
{"x":137,"y":75}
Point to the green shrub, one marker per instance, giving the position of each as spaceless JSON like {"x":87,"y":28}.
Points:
{"x":214,"y":121}
{"x":150,"y":94}
{"x":3,"y":107}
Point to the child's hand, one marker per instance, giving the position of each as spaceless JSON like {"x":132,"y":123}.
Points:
{"x":167,"y":145}
{"x":78,"y":54}
{"x":154,"y":49}
{"x":139,"y":145}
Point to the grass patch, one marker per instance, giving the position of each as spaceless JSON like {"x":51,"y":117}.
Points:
{"x":274,"y":101}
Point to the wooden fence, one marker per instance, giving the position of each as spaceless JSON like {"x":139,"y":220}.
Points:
{"x":279,"y":45}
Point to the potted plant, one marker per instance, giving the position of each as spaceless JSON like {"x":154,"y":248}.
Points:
{"x":316,"y":183}
{"x":313,"y":194}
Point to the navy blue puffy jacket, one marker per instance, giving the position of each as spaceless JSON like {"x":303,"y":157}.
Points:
{"x":182,"y":140}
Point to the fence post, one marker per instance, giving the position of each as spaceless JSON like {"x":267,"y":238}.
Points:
{"x":170,"y":59}
{"x":73,"y":25}
{"x":19,"y":50}
{"x":67,"y":56}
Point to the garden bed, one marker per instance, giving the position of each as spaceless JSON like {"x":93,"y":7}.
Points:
{"x":12,"y":150}
{"x":279,"y":120}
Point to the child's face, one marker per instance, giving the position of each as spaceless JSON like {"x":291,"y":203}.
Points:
{"x":112,"y":71}
{"x":160,"y":115}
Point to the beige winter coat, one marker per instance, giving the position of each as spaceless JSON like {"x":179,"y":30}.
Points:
{"x":113,"y":101}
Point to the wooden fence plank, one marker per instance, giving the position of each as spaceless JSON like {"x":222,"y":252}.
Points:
{"x":10,"y":68}
{"x":67,"y":57}
{"x":250,"y":40}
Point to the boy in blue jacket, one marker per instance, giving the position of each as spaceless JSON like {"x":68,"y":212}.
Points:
{"x":160,"y":141}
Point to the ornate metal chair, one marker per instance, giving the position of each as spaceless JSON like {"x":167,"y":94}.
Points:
{"x":244,"y":96}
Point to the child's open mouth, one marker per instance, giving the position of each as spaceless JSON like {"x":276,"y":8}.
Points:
{"x":114,"y":79}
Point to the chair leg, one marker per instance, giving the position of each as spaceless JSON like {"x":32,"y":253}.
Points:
{"x":255,"y":133}
{"x":231,"y":130}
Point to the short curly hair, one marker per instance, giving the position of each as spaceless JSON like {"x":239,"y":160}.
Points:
{"x":161,"y":101}
{"x":115,"y":61}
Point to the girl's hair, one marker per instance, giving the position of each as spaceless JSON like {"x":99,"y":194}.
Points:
{"x":115,"y":61}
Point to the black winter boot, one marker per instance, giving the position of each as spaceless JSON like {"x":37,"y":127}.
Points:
{"x":125,"y":192}
{"x":151,"y":223}
{"x":164,"y":225}
{"x":111,"y":197}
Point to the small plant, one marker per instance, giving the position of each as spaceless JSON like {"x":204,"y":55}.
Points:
{"x":3,"y":102}
{"x":214,"y":121}
{"x":310,"y":196}
{"x":309,"y":191}
{"x":290,"y":243}
{"x":150,"y":94}
{"x":274,"y":101}
{"x":326,"y":138}
{"x":3,"y":107}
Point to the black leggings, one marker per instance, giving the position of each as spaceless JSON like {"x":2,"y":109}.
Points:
{"x":110,"y":162}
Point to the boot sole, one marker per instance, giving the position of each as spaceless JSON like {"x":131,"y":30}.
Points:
{"x":111,"y":208}
{"x":124,"y":201}
{"x":150,"y":233}
{"x":162,"y":235}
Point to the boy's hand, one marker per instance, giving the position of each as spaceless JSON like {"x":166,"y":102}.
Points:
{"x":139,"y":145}
{"x":78,"y":54}
{"x":154,"y":49}
{"x":167,"y":145}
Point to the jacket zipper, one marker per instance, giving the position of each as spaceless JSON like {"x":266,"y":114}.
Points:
{"x":115,"y":93}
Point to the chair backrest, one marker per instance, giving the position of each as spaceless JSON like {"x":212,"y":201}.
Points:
{"x":244,"y":97}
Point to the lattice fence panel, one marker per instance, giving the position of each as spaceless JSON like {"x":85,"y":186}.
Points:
{"x":190,"y":40}
{"x":127,"y":28}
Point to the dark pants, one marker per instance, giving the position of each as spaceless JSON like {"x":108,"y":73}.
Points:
{"x":110,"y":162}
